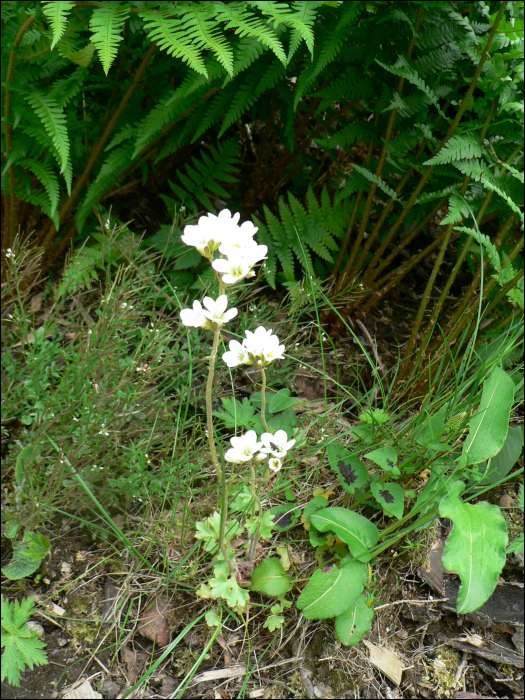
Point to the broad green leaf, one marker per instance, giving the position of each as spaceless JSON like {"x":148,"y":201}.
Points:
{"x":490,"y":423}
{"x":386,"y":458}
{"x":354,"y":529}
{"x":351,"y":472}
{"x":390,"y":497}
{"x":314,"y":505}
{"x":20,"y":565}
{"x":270,"y":578}
{"x":376,"y":417}
{"x":281,"y":401}
{"x":333,"y":590}
{"x":209,"y":531}
{"x":503,"y":462}
{"x":352,"y":624}
{"x":432,"y":428}
{"x":475,"y":548}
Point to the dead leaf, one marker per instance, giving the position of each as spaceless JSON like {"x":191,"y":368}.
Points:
{"x":36,"y":303}
{"x":154,"y":625}
{"x":386,"y":661}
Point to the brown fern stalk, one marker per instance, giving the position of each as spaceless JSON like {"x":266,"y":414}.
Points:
{"x":10,"y":201}
{"x":99,"y":145}
{"x":379,"y":170}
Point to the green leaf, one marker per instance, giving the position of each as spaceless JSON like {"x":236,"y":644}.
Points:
{"x":270,"y":578}
{"x":490,"y":424}
{"x":432,"y":428}
{"x":275,"y":621}
{"x":284,"y":517}
{"x":20,"y":565}
{"x":475,"y":548}
{"x":209,"y":529}
{"x":236,"y":414}
{"x":351,"y":472}
{"x":333,"y":590}
{"x":375,"y":417}
{"x":314,"y":505}
{"x":352,"y":624}
{"x":503,"y":462}
{"x":390,"y":497}
{"x":38,"y":546}
{"x":21,"y":646}
{"x":354,"y":529}
{"x":386,"y":458}
{"x":281,"y":401}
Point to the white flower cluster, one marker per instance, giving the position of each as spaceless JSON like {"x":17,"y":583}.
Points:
{"x":260,"y":347}
{"x":240,"y":254}
{"x":247,"y":447}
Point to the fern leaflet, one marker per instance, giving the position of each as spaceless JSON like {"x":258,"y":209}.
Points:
{"x":56,"y":13}
{"x":54,"y":121}
{"x":106,"y":24}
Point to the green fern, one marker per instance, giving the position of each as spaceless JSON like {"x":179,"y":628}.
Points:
{"x":377,"y":180}
{"x":209,"y":172}
{"x":57,"y":13}
{"x":465,"y":146}
{"x":46,"y":175}
{"x":106,"y":24}
{"x":299,"y":232}
{"x":54,"y":121}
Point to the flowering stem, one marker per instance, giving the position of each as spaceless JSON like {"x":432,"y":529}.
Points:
{"x":255,"y":536}
{"x":263,"y":400}
{"x":209,"y":417}
{"x":213,"y":451}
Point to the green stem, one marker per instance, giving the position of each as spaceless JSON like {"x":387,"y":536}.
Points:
{"x":221,"y":473}
{"x":256,"y":534}
{"x":263,"y":400}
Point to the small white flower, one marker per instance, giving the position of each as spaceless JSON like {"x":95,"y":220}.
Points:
{"x":195,"y":317}
{"x":236,"y":355}
{"x":216,"y":310}
{"x":9,"y":253}
{"x":261,"y":457}
{"x":257,"y":340}
{"x":275,"y":464}
{"x":277,"y":445}
{"x":243,"y":448}
{"x":210,"y":232}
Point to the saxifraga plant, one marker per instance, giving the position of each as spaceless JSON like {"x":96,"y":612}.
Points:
{"x":341,"y":587}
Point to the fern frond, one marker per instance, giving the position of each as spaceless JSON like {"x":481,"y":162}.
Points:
{"x":64,"y":90}
{"x":302,"y":19}
{"x":210,"y":169}
{"x":464,"y":22}
{"x":54,"y":121}
{"x":56,"y":13}
{"x":39,"y":198}
{"x":482,"y":239}
{"x":457,"y":210}
{"x":106,"y":27}
{"x":326,"y":54}
{"x":201,"y":29}
{"x":246,"y":24}
{"x":45,"y":174}
{"x":490,"y":184}
{"x":246,"y":52}
{"x":403,"y":70}
{"x":460,"y":147}
{"x":171,"y":37}
{"x":377,"y":180}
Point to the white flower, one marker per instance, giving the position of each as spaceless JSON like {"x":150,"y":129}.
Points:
{"x":243,"y":448}
{"x":195,"y":317}
{"x":273,"y":351}
{"x":213,"y":230}
{"x":216,"y":310}
{"x":277,"y":445}
{"x":262,"y":346}
{"x":260,"y":457}
{"x":236,"y":355}
{"x":239,"y":264}
{"x":275,"y":464}
{"x":242,"y":245}
{"x":257,"y":340}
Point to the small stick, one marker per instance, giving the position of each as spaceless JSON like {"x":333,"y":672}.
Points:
{"x":412,"y":602}
{"x":380,"y":365}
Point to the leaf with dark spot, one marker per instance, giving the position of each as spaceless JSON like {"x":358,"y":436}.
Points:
{"x":284,"y":517}
{"x":351,"y":472}
{"x":390,"y":497}
{"x":387,"y":496}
